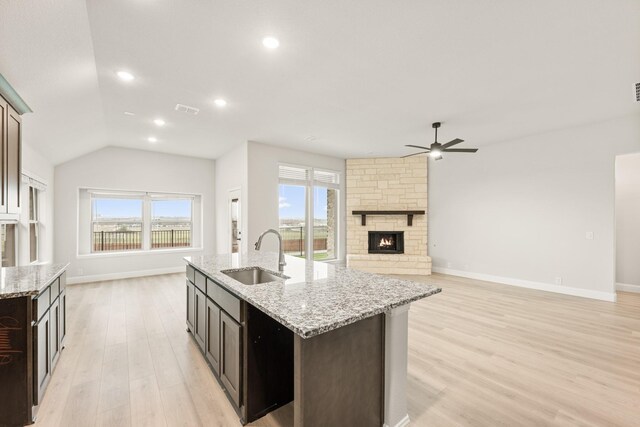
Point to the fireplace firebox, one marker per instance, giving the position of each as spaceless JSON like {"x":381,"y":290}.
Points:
{"x":386,"y":242}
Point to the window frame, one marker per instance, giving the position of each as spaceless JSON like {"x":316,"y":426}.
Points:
{"x":163,"y":196}
{"x":34,"y":219}
{"x":310,"y":183}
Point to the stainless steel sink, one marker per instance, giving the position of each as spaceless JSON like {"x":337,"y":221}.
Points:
{"x":253,"y":276}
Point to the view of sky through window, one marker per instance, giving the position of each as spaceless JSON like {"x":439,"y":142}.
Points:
{"x":292,"y":202}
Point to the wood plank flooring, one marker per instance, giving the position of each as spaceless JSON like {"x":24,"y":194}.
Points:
{"x":480,"y":354}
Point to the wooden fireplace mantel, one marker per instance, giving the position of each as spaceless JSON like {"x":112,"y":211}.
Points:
{"x":409,"y":214}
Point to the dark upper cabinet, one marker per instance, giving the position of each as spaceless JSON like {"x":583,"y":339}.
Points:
{"x":230,"y":356}
{"x":200,"y":318}
{"x":11,"y":158}
{"x":212,"y":343}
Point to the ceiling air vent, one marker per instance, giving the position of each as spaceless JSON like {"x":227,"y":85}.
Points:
{"x":186,"y":109}
{"x":637,"y":92}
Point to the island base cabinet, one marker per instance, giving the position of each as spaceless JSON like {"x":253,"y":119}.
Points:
{"x":54,"y":332}
{"x":230,"y":356}
{"x":339,"y":376}
{"x":191,"y":306}
{"x":63,"y":318}
{"x":212,"y":343}
{"x":200,"y":316}
{"x":42,"y":350}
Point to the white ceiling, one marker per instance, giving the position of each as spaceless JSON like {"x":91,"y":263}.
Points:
{"x":362,"y":77}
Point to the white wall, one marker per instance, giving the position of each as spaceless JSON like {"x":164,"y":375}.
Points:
{"x":628,"y":220}
{"x":263,"y":200}
{"x":231,"y":174}
{"x":519,"y":211}
{"x":116,"y":168}
{"x":40,"y":168}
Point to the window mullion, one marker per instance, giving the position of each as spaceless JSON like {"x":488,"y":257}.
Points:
{"x":146,"y":223}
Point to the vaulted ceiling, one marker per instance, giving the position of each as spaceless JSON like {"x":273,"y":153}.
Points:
{"x":350,"y":78}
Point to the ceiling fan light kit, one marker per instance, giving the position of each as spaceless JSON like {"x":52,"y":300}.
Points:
{"x":436,"y":149}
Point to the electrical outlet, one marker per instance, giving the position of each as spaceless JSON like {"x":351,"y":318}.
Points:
{"x":80,"y":272}
{"x":448,"y":265}
{"x":589,"y":235}
{"x":558,"y":280}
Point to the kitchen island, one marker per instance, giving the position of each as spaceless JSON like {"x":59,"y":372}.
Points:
{"x":331,"y":339}
{"x":32,"y":332}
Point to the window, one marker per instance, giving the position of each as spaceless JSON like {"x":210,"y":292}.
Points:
{"x":140,"y":221}
{"x":34,"y":225}
{"x":171,"y":223}
{"x":116,"y":223}
{"x":308,"y":206}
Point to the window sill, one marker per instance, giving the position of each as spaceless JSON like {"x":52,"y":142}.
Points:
{"x":134,"y":253}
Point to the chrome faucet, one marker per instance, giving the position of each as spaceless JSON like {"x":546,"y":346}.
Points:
{"x":281,"y":262}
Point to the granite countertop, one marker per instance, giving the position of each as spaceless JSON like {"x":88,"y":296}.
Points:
{"x":316,"y":297}
{"x":27,"y":280}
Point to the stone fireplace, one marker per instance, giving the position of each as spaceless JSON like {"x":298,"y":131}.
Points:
{"x":386,"y":242}
{"x":386,"y":220}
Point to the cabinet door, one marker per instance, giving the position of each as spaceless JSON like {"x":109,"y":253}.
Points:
{"x":14,"y":160}
{"x":200,"y":320}
{"x":212,"y":343}
{"x":42,"y":362}
{"x":191,"y":306}
{"x":63,"y":318}
{"x":230,"y":356}
{"x":54,"y":331}
{"x":4,"y":114}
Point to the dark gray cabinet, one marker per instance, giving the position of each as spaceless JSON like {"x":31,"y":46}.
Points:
{"x":200,"y":318}
{"x":230,"y":355}
{"x":191,"y":306}
{"x":54,"y":332}
{"x":10,"y":156}
{"x":212,"y":342}
{"x":49,"y":331}
{"x":42,"y":362}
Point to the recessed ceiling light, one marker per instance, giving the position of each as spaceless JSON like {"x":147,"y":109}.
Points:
{"x":125,"y":76}
{"x":220,"y":102}
{"x":129,"y":113}
{"x":159,"y":122}
{"x":152,"y":139}
{"x":270,"y":42}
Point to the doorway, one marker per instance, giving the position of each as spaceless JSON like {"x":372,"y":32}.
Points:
{"x":235,"y":222}
{"x":628,"y":222}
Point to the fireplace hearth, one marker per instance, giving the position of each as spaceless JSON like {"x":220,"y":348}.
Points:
{"x":386,"y":242}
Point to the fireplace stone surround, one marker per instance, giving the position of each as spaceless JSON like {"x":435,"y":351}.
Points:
{"x":387,"y":184}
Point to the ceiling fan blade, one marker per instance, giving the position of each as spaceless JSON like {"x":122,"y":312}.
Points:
{"x":452,"y":143}
{"x":418,"y":146}
{"x":460,"y":150}
{"x":414,"y":154}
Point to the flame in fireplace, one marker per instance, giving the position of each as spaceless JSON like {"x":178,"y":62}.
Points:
{"x":386,"y":242}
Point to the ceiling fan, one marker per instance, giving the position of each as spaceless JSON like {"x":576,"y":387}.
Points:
{"x":436,"y":149}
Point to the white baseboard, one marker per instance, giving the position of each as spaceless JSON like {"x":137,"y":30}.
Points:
{"x":626,"y":287}
{"x":402,"y":423}
{"x":123,"y":275}
{"x":578,"y":292}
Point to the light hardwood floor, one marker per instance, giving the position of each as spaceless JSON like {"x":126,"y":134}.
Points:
{"x":480,"y":354}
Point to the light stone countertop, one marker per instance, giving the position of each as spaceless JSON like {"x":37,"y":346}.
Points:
{"x":27,"y":280}
{"x":317,"y":297}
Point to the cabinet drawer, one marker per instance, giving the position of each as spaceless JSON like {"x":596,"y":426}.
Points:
{"x":200,"y":282}
{"x":63,"y":281}
{"x":54,"y":290}
{"x":224,"y":299}
{"x":191,"y":274}
{"x":41,"y":304}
